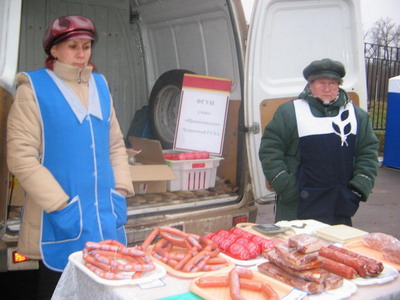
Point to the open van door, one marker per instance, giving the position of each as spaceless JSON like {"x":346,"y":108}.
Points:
{"x":10,"y":23}
{"x":10,"y":16}
{"x":10,"y":12}
{"x":284,"y":37}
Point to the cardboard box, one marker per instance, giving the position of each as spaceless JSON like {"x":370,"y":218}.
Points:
{"x":150,"y":173}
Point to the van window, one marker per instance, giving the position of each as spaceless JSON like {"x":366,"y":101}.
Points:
{"x":326,"y":28}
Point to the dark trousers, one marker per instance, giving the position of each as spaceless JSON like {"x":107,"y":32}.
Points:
{"x":342,"y":220}
{"x":47,"y":282}
{"x":32,"y":284}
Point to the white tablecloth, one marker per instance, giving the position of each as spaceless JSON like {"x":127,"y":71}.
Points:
{"x":76,"y":285}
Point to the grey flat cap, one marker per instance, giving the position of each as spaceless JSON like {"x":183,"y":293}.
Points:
{"x":325,"y":68}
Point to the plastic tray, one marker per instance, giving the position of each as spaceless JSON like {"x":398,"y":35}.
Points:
{"x":146,"y":277}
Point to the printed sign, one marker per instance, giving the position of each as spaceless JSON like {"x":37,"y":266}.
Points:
{"x":202,"y":114}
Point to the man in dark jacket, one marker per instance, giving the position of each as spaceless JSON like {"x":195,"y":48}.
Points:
{"x":319,"y":153}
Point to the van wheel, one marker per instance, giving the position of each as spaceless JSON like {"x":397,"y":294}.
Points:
{"x":164,"y":104}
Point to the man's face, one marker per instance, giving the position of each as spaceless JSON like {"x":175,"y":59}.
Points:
{"x":324,"y":88}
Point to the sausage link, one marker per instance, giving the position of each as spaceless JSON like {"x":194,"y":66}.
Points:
{"x":209,"y":267}
{"x":216,"y":261}
{"x":342,"y":258}
{"x":268,"y":292}
{"x":244,"y":273}
{"x":173,"y":231}
{"x":374,"y":267}
{"x":209,"y":244}
{"x":176,"y":255}
{"x":195,"y":260}
{"x":249,"y":284}
{"x":184,"y":260}
{"x":174,"y":239}
{"x":213,"y":281}
{"x":234,"y":285}
{"x":338,"y":268}
{"x":194,"y":242}
{"x":201,"y":263}
{"x":161,"y":252}
{"x":172,"y":262}
{"x":149,"y":239}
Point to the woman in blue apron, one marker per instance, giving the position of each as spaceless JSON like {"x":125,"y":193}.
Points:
{"x":319,"y":153}
{"x":66,"y":149}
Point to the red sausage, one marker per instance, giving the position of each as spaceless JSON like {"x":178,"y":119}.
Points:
{"x":150,"y":238}
{"x":342,"y":258}
{"x":112,"y":242}
{"x":176,"y":255}
{"x":207,"y":267}
{"x":268,"y":292}
{"x":89,"y":259}
{"x":338,"y":268}
{"x":216,"y":261}
{"x":234,"y":285}
{"x":374,"y":267}
{"x":184,"y":260}
{"x":157,"y":256}
{"x":249,"y":284}
{"x":194,"y":242}
{"x":172,"y":262}
{"x":209,"y":244}
{"x":175,"y":240}
{"x":195,"y":260}
{"x":173,"y":231}
{"x":201,"y":263}
{"x":244,"y":273}
{"x":162,"y":252}
{"x":213,"y":281}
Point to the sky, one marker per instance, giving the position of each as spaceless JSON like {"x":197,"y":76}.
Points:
{"x":371,"y":11}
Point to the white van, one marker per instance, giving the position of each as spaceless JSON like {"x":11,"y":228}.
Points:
{"x":144,"y":49}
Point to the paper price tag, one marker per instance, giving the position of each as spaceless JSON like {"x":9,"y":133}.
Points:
{"x":152,"y":284}
{"x":295,"y":294}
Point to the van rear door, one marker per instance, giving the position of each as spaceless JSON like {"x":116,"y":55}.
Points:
{"x":10,"y":16}
{"x":284,"y":37}
{"x":10,"y":12}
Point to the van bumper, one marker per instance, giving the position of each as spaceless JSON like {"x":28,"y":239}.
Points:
{"x":7,"y":263}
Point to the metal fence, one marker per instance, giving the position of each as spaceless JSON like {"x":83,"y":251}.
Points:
{"x":381,"y":63}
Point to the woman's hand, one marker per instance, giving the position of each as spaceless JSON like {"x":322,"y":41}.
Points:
{"x":64,"y":205}
{"x":122,"y":192}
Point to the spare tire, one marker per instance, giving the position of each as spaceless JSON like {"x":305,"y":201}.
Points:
{"x":164,"y":105}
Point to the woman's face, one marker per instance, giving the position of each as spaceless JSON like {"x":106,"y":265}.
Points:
{"x":74,"y":52}
{"x":324,"y":89}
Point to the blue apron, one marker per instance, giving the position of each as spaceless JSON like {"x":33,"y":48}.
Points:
{"x":327,"y":148}
{"x":76,"y":152}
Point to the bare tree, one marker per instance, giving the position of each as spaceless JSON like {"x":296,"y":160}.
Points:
{"x":397,"y":38}
{"x":384,"y":32}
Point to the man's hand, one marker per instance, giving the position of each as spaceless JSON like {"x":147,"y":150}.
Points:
{"x":269,"y":188}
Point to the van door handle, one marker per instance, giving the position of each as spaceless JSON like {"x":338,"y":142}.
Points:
{"x":254,"y":128}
